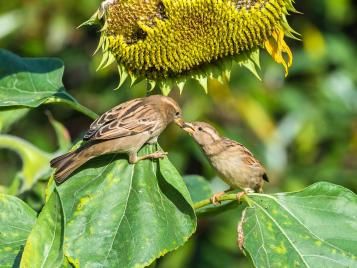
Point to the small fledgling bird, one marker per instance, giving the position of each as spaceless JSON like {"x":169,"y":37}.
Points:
{"x":123,"y":129}
{"x":234,"y":163}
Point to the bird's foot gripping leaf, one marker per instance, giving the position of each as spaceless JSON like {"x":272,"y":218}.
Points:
{"x":215,"y":197}
{"x":158,"y":154}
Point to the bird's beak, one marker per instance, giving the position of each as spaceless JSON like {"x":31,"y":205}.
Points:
{"x":188,"y":127}
{"x":179,"y":122}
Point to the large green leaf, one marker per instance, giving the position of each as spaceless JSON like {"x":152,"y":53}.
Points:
{"x":316,"y":227}
{"x":129,"y":214}
{"x":30,"y":82}
{"x":44,"y":246}
{"x":16,"y":221}
{"x":35,"y":162}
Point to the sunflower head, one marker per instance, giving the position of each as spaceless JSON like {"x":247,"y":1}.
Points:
{"x":169,"y":41}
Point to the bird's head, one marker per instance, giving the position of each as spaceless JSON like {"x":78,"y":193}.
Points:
{"x":202,"y":132}
{"x":169,"y":108}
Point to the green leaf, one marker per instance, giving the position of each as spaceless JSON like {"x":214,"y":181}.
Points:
{"x":315,"y":227}
{"x":16,"y":221}
{"x":198,"y":187}
{"x":132,"y":214}
{"x":30,"y":82}
{"x":251,"y":62}
{"x":8,"y":116}
{"x":35,"y":162}
{"x":62,"y":134}
{"x":44,"y":246}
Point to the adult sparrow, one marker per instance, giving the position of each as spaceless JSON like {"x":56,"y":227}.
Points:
{"x":234,"y":163}
{"x":123,"y":129}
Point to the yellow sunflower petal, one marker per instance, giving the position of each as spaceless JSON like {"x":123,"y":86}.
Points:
{"x":276,"y":47}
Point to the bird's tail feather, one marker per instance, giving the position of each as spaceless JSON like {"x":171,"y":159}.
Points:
{"x":265,"y":177}
{"x":59,"y":160}
{"x":66,"y":164}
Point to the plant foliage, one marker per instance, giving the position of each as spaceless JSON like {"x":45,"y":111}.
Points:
{"x":110,"y":213}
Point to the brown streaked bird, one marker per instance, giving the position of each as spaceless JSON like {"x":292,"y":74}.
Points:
{"x":123,"y":129}
{"x":234,"y":163}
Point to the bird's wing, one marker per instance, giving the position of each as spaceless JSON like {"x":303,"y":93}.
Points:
{"x":127,"y":119}
{"x":245,"y":155}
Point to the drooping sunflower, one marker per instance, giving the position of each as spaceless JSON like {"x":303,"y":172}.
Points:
{"x":169,"y":41}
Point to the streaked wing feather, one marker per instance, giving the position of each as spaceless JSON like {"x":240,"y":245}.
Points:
{"x":135,"y":121}
{"x":246,"y":156}
{"x":110,"y":116}
{"x":113,"y":130}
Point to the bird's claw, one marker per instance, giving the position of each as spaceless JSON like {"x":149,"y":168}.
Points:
{"x":155,"y":155}
{"x":240,"y":195}
{"x":214,"y":198}
{"x":159,"y":154}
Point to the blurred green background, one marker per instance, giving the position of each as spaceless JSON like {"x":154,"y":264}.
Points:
{"x":303,"y":128}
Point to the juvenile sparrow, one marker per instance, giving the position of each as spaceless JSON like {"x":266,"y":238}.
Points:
{"x":234,"y":163}
{"x":123,"y":129}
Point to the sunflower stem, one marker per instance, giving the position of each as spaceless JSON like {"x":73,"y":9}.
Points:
{"x":74,"y":105}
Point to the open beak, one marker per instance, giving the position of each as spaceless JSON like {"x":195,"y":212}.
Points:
{"x":179,"y":122}
{"x":188,"y":127}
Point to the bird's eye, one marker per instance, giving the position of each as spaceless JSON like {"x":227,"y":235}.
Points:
{"x":177,"y":113}
{"x":200,"y":129}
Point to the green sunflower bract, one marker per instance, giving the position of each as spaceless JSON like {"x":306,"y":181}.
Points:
{"x":168,"y":41}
